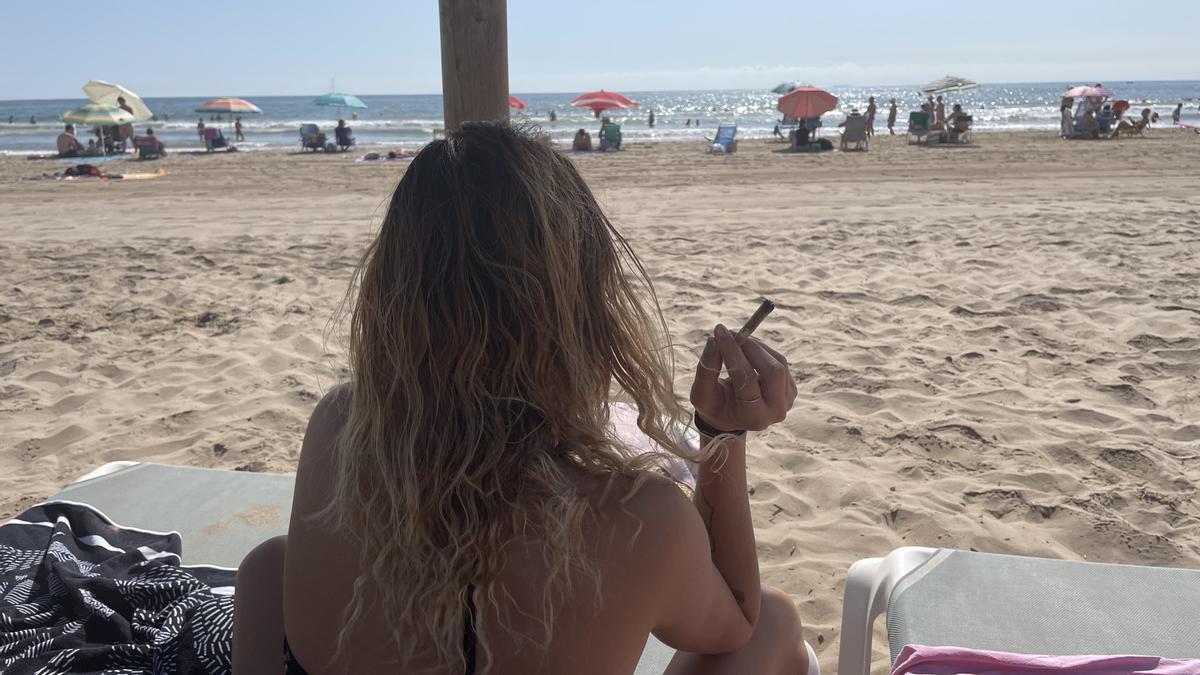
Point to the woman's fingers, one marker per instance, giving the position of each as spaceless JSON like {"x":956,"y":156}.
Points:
{"x":706,"y":392}
{"x":741,"y":373}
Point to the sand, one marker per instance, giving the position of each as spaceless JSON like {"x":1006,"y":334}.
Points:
{"x":997,"y":347}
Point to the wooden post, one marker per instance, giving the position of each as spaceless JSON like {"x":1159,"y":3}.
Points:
{"x":474,"y":61}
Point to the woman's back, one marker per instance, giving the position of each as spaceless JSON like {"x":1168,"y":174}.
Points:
{"x":637,"y":548}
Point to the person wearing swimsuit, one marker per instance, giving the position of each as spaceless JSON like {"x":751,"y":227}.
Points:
{"x":461,"y":504}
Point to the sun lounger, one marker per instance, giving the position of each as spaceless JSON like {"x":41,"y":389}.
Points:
{"x":855,"y":131}
{"x":610,"y":137}
{"x":918,"y":127}
{"x":723,"y":139}
{"x":311,"y":138}
{"x":1024,"y":605}
{"x":220,"y":515}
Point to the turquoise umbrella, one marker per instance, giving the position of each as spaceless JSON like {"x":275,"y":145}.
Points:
{"x":338,"y":100}
{"x":99,"y":115}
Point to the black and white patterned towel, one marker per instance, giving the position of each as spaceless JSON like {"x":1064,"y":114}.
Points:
{"x":80,"y":594}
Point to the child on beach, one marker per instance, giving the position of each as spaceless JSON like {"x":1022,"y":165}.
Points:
{"x":492,"y":314}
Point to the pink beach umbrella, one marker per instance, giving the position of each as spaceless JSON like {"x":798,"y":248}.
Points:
{"x":514,"y":102}
{"x":1085,"y":91}
{"x":806,"y":102}
{"x":599,"y":101}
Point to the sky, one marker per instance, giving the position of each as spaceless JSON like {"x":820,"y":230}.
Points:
{"x":298,"y":47}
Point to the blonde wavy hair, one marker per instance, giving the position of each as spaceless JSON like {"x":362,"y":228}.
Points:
{"x":495,"y":312}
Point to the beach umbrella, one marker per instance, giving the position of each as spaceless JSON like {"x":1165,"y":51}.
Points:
{"x":785,"y":87}
{"x":514,"y":102}
{"x":98,"y":115}
{"x":948,"y":84}
{"x":1086,"y":91}
{"x":231,"y":106}
{"x":806,"y":102}
{"x":337,"y":100}
{"x":107,"y":93}
{"x":599,"y":101}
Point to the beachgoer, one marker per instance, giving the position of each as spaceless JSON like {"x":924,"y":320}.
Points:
{"x":939,"y":110}
{"x":553,"y":116}
{"x":870,"y":115}
{"x":125,"y":131}
{"x":650,"y":120}
{"x":152,"y":141}
{"x":1088,"y":124}
{"x":1177,"y":114}
{"x":10,"y":119}
{"x":957,"y":124}
{"x":200,"y":128}
{"x":1154,"y":117}
{"x":1067,"y":120}
{"x":33,"y":119}
{"x":583,"y":141}
{"x":688,"y":122}
{"x":68,"y":145}
{"x":462,"y":500}
{"x":237,"y":129}
{"x":778,"y":133}
{"x":891,"y":123}
{"x":800,"y":139}
{"x":1124,"y":126}
{"x":354,"y":115}
{"x":342,"y":135}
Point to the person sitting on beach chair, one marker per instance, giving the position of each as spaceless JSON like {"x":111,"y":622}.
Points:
{"x":149,"y":146}
{"x":855,"y":131}
{"x":463,"y":504}
{"x":1138,"y":128}
{"x":610,"y":136}
{"x":342,"y":135}
{"x":68,"y":145}
{"x":800,"y":137}
{"x":582,"y":142}
{"x":311,"y":138}
{"x":958,"y":125}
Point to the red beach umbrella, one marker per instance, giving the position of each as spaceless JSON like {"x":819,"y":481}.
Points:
{"x":1089,"y":92}
{"x":514,"y":102}
{"x":806,"y":102}
{"x":600,"y":101}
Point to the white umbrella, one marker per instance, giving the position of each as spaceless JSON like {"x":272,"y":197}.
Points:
{"x":948,"y":84}
{"x":107,"y":93}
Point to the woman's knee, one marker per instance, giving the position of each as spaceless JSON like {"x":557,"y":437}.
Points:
{"x":780,"y":617}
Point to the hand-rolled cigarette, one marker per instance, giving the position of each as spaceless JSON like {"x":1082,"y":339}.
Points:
{"x":759,"y":314}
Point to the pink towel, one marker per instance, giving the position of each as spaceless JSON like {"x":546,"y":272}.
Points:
{"x":922,"y":660}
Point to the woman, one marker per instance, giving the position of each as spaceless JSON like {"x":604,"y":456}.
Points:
{"x":891,"y":123}
{"x":460,"y":505}
{"x":582,"y":142}
{"x":871,"y":116}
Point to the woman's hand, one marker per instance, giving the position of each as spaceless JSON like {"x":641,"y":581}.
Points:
{"x":758,"y":392}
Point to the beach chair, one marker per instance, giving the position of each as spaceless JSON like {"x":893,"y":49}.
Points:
{"x":311,"y":138}
{"x":1008,"y":603}
{"x":214,"y":139}
{"x":918,"y":127}
{"x":610,"y":136}
{"x":855,"y":131}
{"x":723,"y":139}
{"x":343,"y":138}
{"x":147,"y":147}
{"x":220,"y":515}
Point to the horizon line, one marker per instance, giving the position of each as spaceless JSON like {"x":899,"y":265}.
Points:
{"x":632,"y":91}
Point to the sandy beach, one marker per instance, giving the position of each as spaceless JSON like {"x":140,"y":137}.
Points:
{"x":997,"y":346}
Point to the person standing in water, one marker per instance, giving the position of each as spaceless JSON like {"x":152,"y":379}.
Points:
{"x":553,"y":116}
{"x":650,"y":119}
{"x":237,"y":129}
{"x":871,"y":115}
{"x":1177,"y":114}
{"x":892,"y":117}
{"x":200,"y":128}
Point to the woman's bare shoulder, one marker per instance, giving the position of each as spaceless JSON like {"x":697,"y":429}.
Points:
{"x":324,"y":425}
{"x":650,"y":503}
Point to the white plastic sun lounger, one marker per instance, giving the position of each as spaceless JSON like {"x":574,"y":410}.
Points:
{"x":221,"y":515}
{"x":945,"y":597}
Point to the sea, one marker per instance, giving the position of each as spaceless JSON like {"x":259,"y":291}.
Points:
{"x":30,"y":127}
